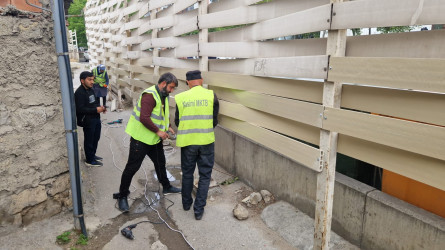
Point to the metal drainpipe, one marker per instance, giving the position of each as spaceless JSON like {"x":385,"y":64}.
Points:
{"x":69,"y":112}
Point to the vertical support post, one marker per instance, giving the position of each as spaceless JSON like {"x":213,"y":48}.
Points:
{"x":336,"y":46}
{"x":203,"y":36}
{"x":154,"y":35}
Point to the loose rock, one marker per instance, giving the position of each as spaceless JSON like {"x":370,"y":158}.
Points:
{"x":255,"y":198}
{"x":267,"y":196}
{"x":240,"y":212}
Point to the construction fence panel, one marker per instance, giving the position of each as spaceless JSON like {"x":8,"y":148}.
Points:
{"x":271,"y":84}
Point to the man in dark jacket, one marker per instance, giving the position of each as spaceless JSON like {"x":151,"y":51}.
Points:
{"x":88,"y":116}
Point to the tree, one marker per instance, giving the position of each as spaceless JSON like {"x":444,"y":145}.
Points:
{"x":78,"y":23}
{"x":396,"y":29}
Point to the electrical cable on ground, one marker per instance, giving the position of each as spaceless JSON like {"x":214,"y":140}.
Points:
{"x":127,"y":230}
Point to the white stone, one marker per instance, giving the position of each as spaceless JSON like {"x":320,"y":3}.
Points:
{"x":240,"y":212}
{"x":267,"y":196}
{"x":157,"y":245}
{"x":255,"y":198}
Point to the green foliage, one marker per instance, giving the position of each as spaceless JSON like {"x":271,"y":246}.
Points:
{"x":396,"y":29}
{"x":83,"y":240}
{"x":64,"y":238}
{"x":78,"y":23}
{"x":264,"y":1}
{"x":229,"y":181}
{"x":356,"y":32}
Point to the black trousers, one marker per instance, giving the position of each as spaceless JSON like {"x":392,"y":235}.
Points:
{"x":91,"y":134}
{"x":204,"y":156}
{"x":138,"y":151}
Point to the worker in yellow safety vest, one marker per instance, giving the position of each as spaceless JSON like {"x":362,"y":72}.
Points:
{"x":148,"y":126}
{"x":196,"y":117}
{"x":100,"y":85}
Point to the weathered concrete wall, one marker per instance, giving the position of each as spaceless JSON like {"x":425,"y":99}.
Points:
{"x":34,"y":180}
{"x":363,"y":215}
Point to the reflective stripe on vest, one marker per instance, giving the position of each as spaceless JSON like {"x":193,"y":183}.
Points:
{"x":137,"y":130}
{"x":195,"y":107}
{"x":99,"y":78}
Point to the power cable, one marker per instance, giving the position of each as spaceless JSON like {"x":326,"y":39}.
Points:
{"x":127,"y":230}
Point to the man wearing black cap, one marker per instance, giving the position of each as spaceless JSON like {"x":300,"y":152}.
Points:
{"x":196,"y":117}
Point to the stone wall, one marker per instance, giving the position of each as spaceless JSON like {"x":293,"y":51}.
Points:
{"x":34,"y":179}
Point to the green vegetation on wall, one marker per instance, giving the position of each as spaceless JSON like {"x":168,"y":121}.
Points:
{"x":78,"y":23}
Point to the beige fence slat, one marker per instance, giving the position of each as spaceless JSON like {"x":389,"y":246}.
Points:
{"x":425,"y":44}
{"x":234,"y":49}
{"x":227,"y":5}
{"x":412,"y":105}
{"x":285,"y":126}
{"x":154,"y":4}
{"x":144,"y":61}
{"x":310,"y":20}
{"x":143,"y":10}
{"x":383,"y":13}
{"x":119,"y":71}
{"x":162,"y":22}
{"x":241,"y":15}
{"x":137,"y":69}
{"x":418,"y":74}
{"x":297,"y":89}
{"x":186,"y":26}
{"x":421,"y":168}
{"x":139,"y":83}
{"x":182,"y":4}
{"x":165,"y":42}
{"x":302,"y":67}
{"x":187,"y":50}
{"x":174,"y":63}
{"x":410,"y":136}
{"x":285,"y":48}
{"x":299,"y":111}
{"x":292,"y":149}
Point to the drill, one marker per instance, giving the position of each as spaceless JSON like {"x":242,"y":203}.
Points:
{"x":127,"y":232}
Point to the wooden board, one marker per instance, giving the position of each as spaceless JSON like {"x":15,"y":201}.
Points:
{"x":291,"y":149}
{"x":418,"y":167}
{"x":278,"y":124}
{"x":417,"y":74}
{"x":411,"y":105}
{"x":299,"y":111}
{"x":414,"y":137}
{"x":383,"y":13}
{"x":424,"y":44}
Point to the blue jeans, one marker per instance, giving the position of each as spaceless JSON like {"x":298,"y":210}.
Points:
{"x":91,"y":134}
{"x":204,"y":156}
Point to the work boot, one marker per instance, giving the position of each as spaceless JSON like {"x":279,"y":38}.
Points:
{"x":171,"y":190}
{"x":94,"y":163}
{"x":198,"y":216}
{"x":122,"y":202}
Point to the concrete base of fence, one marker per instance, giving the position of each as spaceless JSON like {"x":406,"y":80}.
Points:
{"x":363,"y":215}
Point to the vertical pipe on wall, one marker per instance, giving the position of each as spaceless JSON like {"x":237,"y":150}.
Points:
{"x":67,"y":92}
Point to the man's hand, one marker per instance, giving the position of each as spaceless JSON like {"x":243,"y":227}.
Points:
{"x":162,"y":134}
{"x":171,"y":130}
{"x":101,"y":109}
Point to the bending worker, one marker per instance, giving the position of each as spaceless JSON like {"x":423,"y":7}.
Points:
{"x":196,"y":116}
{"x":147,"y":127}
{"x":100,"y":86}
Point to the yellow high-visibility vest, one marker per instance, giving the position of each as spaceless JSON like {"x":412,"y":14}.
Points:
{"x":99,"y":78}
{"x":195,"y":107}
{"x":138,"y":131}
